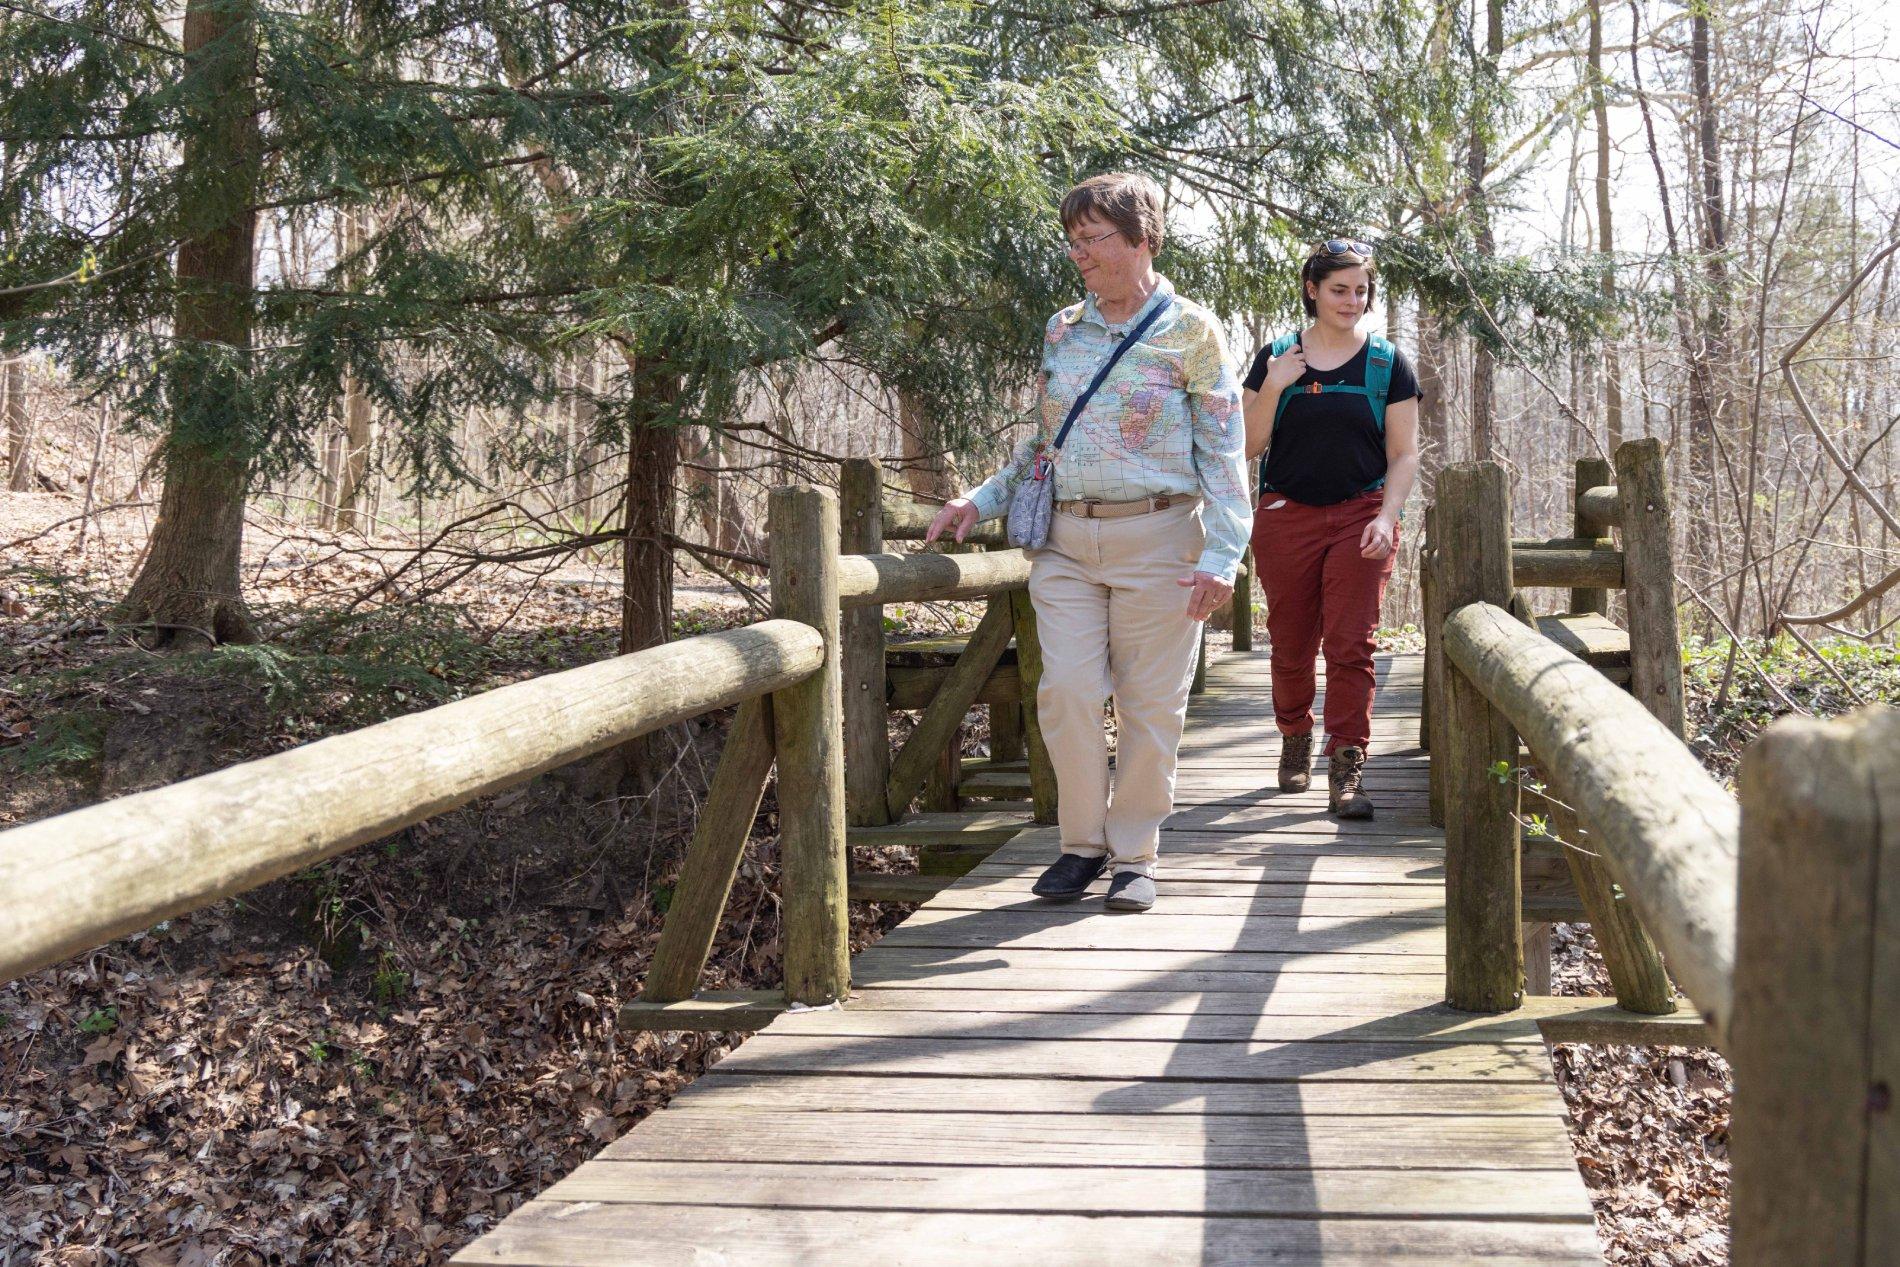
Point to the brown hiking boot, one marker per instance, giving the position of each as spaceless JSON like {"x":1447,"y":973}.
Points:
{"x":1296,"y":762}
{"x":1343,"y":771}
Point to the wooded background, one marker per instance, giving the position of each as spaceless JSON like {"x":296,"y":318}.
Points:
{"x":517,"y":286}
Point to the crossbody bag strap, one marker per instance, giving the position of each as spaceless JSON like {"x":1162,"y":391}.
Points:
{"x":1133,"y":337}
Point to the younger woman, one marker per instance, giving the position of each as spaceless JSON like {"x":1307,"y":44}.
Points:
{"x":1336,"y":413}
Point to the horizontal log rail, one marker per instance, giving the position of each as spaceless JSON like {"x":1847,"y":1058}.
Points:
{"x":870,"y":580}
{"x":1566,"y":567}
{"x":1668,"y":831}
{"x":909,"y":521}
{"x":84,"y":878}
{"x":1599,"y":507}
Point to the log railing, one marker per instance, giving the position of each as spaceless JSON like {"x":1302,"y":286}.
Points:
{"x":1779,"y":916}
{"x":77,"y":880}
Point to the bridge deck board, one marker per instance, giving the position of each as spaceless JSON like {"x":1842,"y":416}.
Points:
{"x":1259,"y":1071}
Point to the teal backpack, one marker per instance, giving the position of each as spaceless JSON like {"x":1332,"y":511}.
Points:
{"x":1378,"y":386}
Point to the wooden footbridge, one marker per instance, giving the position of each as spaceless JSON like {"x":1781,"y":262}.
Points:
{"x":1319,"y":1047}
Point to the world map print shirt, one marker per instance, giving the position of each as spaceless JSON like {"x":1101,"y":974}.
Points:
{"x":1166,"y":420}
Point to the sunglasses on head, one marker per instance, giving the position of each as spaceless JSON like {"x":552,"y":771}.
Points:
{"x":1344,"y":246}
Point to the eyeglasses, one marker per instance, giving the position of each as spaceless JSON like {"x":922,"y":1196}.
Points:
{"x":1344,"y":246}
{"x":1075,"y":246}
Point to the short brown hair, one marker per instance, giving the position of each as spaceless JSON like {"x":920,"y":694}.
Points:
{"x":1128,"y":200}
{"x":1322,"y":264}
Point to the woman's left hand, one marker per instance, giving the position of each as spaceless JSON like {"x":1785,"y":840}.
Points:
{"x":1209,"y":593}
{"x":1379,"y":538}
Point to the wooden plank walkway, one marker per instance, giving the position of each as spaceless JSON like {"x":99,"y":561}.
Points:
{"x":1257,"y":1071}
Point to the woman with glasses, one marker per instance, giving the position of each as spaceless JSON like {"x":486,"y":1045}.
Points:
{"x":1151,"y":520}
{"x":1336,"y":413}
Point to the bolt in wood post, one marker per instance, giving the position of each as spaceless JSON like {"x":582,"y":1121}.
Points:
{"x":1243,"y":603}
{"x":1432,"y":724}
{"x":867,"y":744}
{"x":1815,"y":1039}
{"x":1484,"y":957}
{"x":1649,"y":581}
{"x":808,"y":723}
{"x":1591,"y":473}
{"x":1042,"y":775}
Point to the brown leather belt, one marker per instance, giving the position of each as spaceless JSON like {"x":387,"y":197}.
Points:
{"x":1095,"y":508}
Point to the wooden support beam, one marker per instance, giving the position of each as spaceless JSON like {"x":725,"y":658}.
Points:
{"x":883,"y":886}
{"x":913,"y":689}
{"x":1581,"y":1019}
{"x":1816,"y":1038}
{"x":1431,"y":722}
{"x":712,"y":859}
{"x":1042,"y":775}
{"x":867,"y":742}
{"x":1662,"y":822}
{"x":1591,"y":517}
{"x":937,"y":728}
{"x":873,"y":579}
{"x":1650,"y":582}
{"x":79,"y":879}
{"x":1536,"y":939}
{"x":1566,"y":567}
{"x":925,"y":832}
{"x":942,"y":790}
{"x":808,"y":722}
{"x":716,"y":1011}
{"x":1484,"y":960}
{"x":1243,"y":603}
{"x":1635,"y":965}
{"x":1006,"y":720}
{"x":1199,"y":685}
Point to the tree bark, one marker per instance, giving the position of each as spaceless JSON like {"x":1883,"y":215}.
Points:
{"x":19,"y":428}
{"x":1434,"y":436}
{"x":1713,"y":349}
{"x":930,"y":472}
{"x":1484,"y":438}
{"x":1606,"y":241}
{"x":187,"y":589}
{"x":351,"y":513}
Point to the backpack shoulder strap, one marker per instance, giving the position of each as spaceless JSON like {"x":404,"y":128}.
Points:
{"x":1379,"y":357}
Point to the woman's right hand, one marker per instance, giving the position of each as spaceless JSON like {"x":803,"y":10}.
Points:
{"x":958,"y":515}
{"x":1283,"y":371}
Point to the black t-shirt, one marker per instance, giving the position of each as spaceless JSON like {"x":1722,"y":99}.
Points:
{"x":1327,"y":448}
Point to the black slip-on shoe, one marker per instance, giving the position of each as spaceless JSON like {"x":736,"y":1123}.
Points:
{"x":1130,"y":891}
{"x":1069,"y":877}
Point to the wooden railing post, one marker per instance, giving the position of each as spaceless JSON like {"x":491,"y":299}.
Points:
{"x":1591,"y":473}
{"x":1649,"y":581}
{"x":1199,"y":684}
{"x":808,"y":723}
{"x":1432,"y":724}
{"x":1815,"y":1041}
{"x":1042,"y":775}
{"x":867,"y":744}
{"x":1243,"y":603}
{"x":1484,"y":959}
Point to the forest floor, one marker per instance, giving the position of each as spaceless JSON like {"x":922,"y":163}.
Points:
{"x":375,"y":1060}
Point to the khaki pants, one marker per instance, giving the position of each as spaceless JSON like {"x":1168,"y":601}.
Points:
{"x":1113,"y":622}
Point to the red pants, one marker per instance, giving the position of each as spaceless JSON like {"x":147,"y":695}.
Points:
{"x":1321,"y":595}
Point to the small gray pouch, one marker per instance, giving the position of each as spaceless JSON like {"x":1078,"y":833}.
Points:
{"x":1033,"y":505}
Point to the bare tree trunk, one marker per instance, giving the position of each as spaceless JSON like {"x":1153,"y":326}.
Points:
{"x":1484,"y":437}
{"x":19,"y":426}
{"x":187,"y":588}
{"x":1433,"y":434}
{"x":930,"y":471}
{"x":646,"y":610}
{"x":1713,"y":349}
{"x":358,"y":423}
{"x":1606,"y":240}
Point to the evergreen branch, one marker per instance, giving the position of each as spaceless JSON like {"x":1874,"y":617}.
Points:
{"x":419,"y":178}
{"x":107,"y":33}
